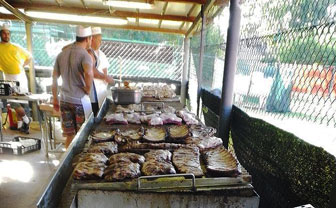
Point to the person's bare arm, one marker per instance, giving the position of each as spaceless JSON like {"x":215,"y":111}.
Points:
{"x":96,"y":74}
{"x":107,"y":78}
{"x":27,"y":61}
{"x":55,"y":77}
{"x":88,"y":77}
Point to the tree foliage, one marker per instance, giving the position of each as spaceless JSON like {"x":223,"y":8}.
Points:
{"x":150,"y":37}
{"x":304,"y":31}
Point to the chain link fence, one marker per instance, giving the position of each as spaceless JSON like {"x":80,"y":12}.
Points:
{"x":143,"y":61}
{"x":286,"y":62}
{"x":136,"y":58}
{"x":213,"y":57}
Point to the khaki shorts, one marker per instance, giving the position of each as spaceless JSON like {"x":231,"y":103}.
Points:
{"x":72,"y":118}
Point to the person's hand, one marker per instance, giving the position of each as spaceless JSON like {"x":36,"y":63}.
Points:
{"x":109,"y":80}
{"x":105,"y":71}
{"x":87,"y":90}
{"x":56,"y":105}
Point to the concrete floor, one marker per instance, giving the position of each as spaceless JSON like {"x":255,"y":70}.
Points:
{"x":24,"y":178}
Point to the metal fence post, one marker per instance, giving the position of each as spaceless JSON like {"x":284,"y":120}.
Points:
{"x":31,"y":66}
{"x":185,"y":70}
{"x":229,"y":71}
{"x":200,"y":72}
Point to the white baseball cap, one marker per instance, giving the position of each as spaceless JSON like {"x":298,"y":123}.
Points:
{"x":96,"y":31}
{"x":83,"y":31}
{"x":5,"y":27}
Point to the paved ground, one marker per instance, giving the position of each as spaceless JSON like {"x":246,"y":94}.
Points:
{"x":24,"y":178}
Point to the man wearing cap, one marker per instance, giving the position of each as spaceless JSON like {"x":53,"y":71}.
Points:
{"x":12,"y":60}
{"x":74,"y":65}
{"x":100,"y":65}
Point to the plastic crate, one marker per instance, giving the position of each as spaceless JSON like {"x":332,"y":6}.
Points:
{"x":16,"y":149}
{"x":7,"y":87}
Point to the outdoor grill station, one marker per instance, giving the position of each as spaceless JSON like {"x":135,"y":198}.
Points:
{"x":175,"y":190}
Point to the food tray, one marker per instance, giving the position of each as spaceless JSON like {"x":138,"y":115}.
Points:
{"x":14,"y":147}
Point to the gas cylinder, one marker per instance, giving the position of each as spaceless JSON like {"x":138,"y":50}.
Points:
{"x":12,"y":117}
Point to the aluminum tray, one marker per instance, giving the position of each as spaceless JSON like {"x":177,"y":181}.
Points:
{"x":126,"y":96}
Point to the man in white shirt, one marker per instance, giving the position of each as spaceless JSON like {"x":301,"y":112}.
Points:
{"x":101,"y":78}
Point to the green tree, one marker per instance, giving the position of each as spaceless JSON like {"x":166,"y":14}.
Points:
{"x":304,"y":33}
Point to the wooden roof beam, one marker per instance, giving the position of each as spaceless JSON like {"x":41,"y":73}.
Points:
{"x":207,"y":6}
{"x":163,"y":12}
{"x":186,"y":1}
{"x":15,"y":11}
{"x":101,"y":12}
{"x":126,"y":27}
{"x":137,"y":19}
{"x":154,"y":16}
{"x":188,"y":15}
{"x":8,"y":16}
{"x":59,"y":2}
{"x":83,"y":3}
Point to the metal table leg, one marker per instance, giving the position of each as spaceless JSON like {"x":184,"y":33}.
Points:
{"x":45,"y":133}
{"x":1,"y":136}
{"x":49,"y":132}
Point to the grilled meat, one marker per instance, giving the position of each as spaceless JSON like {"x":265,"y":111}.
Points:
{"x":178,"y":133}
{"x":92,"y":157}
{"x":202,"y":131}
{"x":157,"y":168}
{"x":133,"y":118}
{"x":187,"y":117}
{"x":108,"y":148}
{"x":127,"y":157}
{"x":155,"y":121}
{"x":145,"y":147}
{"x":115,"y":118}
{"x":121,"y":171}
{"x":220,"y":162}
{"x":158,"y":162}
{"x":170,"y":118}
{"x":205,"y":143}
{"x":103,"y":136}
{"x":123,"y":166}
{"x":129,"y":135}
{"x":187,"y":160}
{"x":88,"y":170}
{"x":168,"y":109}
{"x":155,"y":134}
{"x":159,"y":155}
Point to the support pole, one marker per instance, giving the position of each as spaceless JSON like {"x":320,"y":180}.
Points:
{"x":185,"y":70}
{"x":229,"y":72}
{"x":32,"y":85}
{"x":200,"y":73}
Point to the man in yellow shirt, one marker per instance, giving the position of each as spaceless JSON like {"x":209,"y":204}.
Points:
{"x":12,"y":60}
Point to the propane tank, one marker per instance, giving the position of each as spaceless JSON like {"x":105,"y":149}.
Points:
{"x":12,"y":117}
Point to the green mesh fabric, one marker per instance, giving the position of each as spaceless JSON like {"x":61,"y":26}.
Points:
{"x":286,"y":171}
